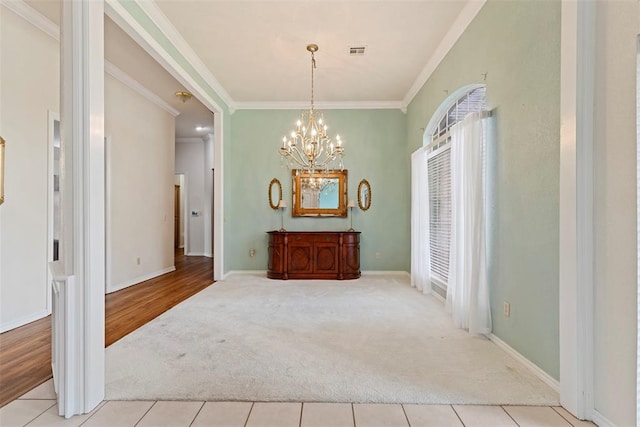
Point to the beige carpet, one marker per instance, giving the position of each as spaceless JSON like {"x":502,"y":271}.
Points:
{"x":374,"y":339}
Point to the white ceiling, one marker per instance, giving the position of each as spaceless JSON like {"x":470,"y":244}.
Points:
{"x":256,"y":49}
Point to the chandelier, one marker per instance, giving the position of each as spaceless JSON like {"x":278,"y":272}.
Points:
{"x":320,"y":185}
{"x":308,"y":145}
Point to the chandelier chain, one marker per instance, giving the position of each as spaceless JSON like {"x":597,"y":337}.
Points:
{"x":313,"y":66}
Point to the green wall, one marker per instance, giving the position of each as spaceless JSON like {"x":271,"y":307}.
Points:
{"x":375,"y":146}
{"x":517,"y":43}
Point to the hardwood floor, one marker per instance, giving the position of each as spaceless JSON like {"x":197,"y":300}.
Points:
{"x":25,"y":359}
{"x":130,"y":308}
{"x":25,"y":352}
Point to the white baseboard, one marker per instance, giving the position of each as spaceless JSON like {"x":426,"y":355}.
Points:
{"x":385,"y":273}
{"x":542,"y":375}
{"x":601,"y":420}
{"x":195,"y":254}
{"x":7,"y":326}
{"x":261,"y":273}
{"x":364,"y":273}
{"x":139,"y":279}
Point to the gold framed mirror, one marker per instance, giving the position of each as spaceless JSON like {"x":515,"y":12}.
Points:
{"x":275,"y":193}
{"x":320,"y":194}
{"x":364,"y":195}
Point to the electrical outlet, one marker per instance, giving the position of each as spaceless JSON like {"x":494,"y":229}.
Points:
{"x":138,"y":260}
{"x":506,"y":309}
{"x":378,"y":255}
{"x":252,"y":253}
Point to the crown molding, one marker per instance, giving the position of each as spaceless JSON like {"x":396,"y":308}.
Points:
{"x":32,"y":16}
{"x":120,"y":15}
{"x":117,"y":12}
{"x":461,"y":23}
{"x":50,"y":28}
{"x":135,"y":85}
{"x":302,"y":105}
{"x":173,"y":35}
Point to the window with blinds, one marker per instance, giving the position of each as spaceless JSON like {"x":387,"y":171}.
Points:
{"x":439,"y":176}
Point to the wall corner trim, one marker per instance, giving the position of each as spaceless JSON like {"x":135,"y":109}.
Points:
{"x":137,"y":87}
{"x":334,"y":105}
{"x":461,"y":23}
{"x":50,"y":28}
{"x":32,"y":16}
{"x":536,"y":370}
{"x":173,"y":35}
{"x":601,"y":420}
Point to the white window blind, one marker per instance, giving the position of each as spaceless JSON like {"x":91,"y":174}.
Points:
{"x":468,"y":103}
{"x":439,"y":176}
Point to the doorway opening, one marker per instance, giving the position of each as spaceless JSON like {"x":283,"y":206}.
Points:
{"x":180,"y":211}
{"x":54,"y":202}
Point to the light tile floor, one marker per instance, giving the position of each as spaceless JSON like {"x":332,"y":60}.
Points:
{"x":38,"y":408}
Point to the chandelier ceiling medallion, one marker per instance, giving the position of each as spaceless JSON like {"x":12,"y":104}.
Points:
{"x":308,"y":146}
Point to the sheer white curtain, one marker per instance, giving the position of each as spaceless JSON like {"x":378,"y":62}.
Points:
{"x":467,"y":290}
{"x":420,"y":260}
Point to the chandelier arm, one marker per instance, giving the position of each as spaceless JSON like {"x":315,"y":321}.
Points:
{"x":297,"y":156}
{"x":326,"y":162}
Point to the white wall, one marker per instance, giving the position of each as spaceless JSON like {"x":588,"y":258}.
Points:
{"x":615,"y":214}
{"x":140,"y":208}
{"x":190,"y":155}
{"x":29,"y":81}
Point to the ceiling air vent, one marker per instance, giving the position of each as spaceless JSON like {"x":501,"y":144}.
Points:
{"x":356,"y":51}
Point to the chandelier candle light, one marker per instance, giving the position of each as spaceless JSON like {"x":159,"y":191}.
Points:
{"x":308,"y":145}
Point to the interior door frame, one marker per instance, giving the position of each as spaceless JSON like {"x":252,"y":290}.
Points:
{"x":52,"y":118}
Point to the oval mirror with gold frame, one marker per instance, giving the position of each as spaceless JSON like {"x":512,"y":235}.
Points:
{"x":275,"y":193}
{"x":364,"y":195}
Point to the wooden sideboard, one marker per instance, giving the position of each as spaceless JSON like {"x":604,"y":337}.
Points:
{"x":314,"y":255}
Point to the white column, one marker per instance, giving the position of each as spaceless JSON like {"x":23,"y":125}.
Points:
{"x":218,"y":199}
{"x":208,"y":194}
{"x":83,"y":246}
{"x":576,"y":206}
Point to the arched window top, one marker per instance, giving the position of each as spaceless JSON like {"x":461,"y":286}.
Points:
{"x":467,"y":99}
